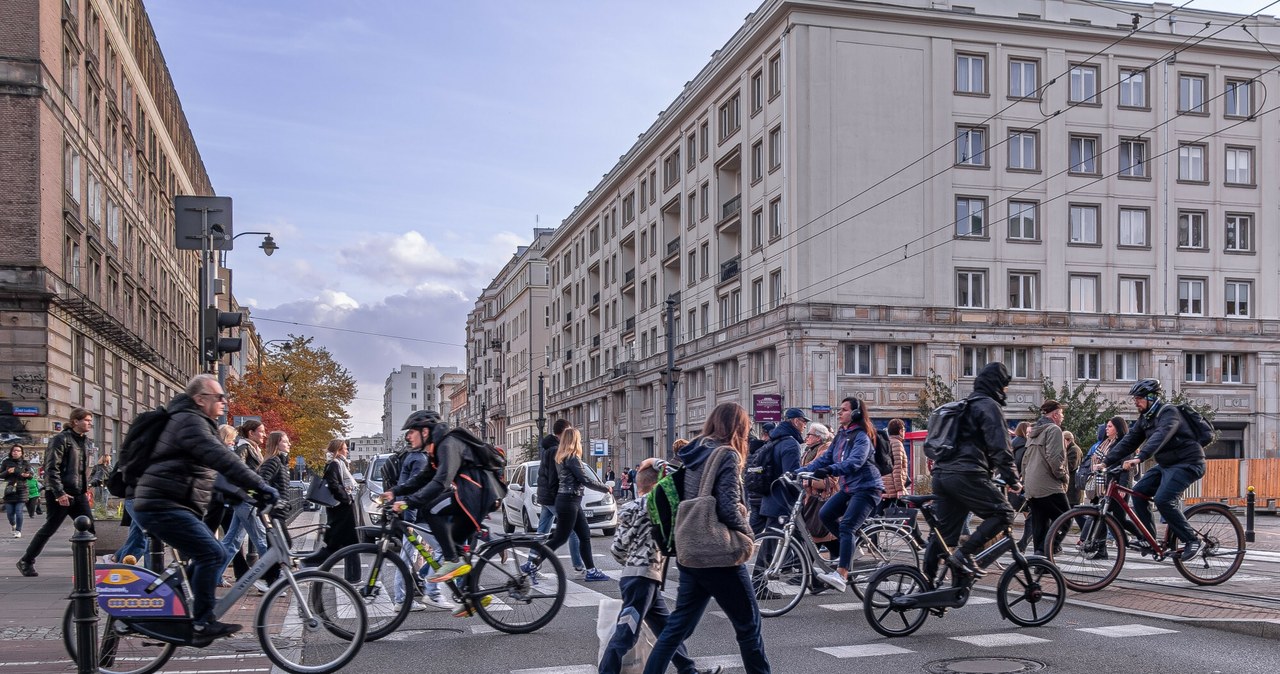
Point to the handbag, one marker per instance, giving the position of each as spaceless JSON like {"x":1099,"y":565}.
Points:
{"x":608,"y":620}
{"x":318,"y":492}
{"x":702,"y":540}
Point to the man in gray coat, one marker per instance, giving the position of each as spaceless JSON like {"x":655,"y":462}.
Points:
{"x":1045,"y":474}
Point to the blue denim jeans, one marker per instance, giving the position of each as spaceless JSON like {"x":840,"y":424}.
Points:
{"x":180,"y":529}
{"x":14,"y":512}
{"x":844,"y":512}
{"x":545,"y":520}
{"x":244,"y":520}
{"x":731,"y":588}
{"x":1164,"y":485}
{"x":409,"y":554}
{"x":641,"y":602}
{"x":136,"y":542}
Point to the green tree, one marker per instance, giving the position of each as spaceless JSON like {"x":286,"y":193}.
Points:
{"x":936,"y":392}
{"x":1085,"y":409}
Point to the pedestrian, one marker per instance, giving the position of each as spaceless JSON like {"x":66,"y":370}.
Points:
{"x":730,"y":586}
{"x":98,"y":481}
{"x":640,"y":581}
{"x":218,"y":515}
{"x":275,"y":472}
{"x":66,"y":477}
{"x":895,"y":484}
{"x":631,"y":479}
{"x":572,"y":479}
{"x":548,"y":485}
{"x":341,"y":517}
{"x":15,"y":470}
{"x":1018,"y":445}
{"x":816,"y":492}
{"x":33,"y":493}
{"x":781,"y":455}
{"x":1045,"y":476}
{"x":625,"y":486}
{"x":244,"y":517}
{"x":1074,"y":456}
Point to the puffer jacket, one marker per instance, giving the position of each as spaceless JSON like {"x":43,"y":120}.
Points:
{"x":185,"y":462}
{"x":573,"y":478}
{"x":850,"y":457}
{"x":548,"y":480}
{"x":727,"y":486}
{"x":895,"y":484}
{"x":17,"y":479}
{"x":1162,"y":433}
{"x":65,"y":470}
{"x":249,"y":453}
{"x":633,"y":544}
{"x":982,"y":441}
{"x":1045,"y":461}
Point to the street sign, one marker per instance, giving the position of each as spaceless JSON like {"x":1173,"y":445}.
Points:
{"x":766,"y":407}
{"x":821,"y":409}
{"x":238,"y":421}
{"x":599,"y":448}
{"x":26,"y":411}
{"x":189,"y":214}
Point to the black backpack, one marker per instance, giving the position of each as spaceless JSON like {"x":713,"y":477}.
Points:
{"x":1199,"y":426}
{"x":944,"y":430}
{"x":883,"y":452}
{"x":761,"y":470}
{"x":135,"y":450}
{"x":484,"y":456}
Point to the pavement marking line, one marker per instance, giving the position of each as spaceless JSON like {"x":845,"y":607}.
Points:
{"x":1122,"y":631}
{"x":669,"y":592}
{"x":578,"y":595}
{"x":571,"y":669}
{"x":726,"y":661}
{"x":482,"y":629}
{"x":1006,"y":639}
{"x":863,"y":651}
{"x":842,"y":607}
{"x":976,"y":601}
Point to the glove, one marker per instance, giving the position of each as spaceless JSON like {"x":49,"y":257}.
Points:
{"x":822,"y":473}
{"x":266,"y":496}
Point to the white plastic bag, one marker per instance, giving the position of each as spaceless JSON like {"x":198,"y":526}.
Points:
{"x":607,"y":621}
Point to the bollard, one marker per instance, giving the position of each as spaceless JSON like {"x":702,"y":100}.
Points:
{"x":84,"y":596}
{"x":155,"y":553}
{"x":1248,"y":515}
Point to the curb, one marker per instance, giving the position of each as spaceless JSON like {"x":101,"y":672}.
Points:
{"x":1254,"y":627}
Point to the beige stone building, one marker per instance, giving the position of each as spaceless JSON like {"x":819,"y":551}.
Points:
{"x":852,"y":194}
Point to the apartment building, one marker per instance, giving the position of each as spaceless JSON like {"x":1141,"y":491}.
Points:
{"x":99,"y":309}
{"x":452,"y":391}
{"x":365,"y":449}
{"x":850,"y":195}
{"x":409,"y":389}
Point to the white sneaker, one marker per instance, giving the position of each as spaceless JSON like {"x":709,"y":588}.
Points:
{"x":413,"y":606}
{"x":835,"y":580}
{"x":17,"y":534}
{"x":107,"y":559}
{"x":579,"y":573}
{"x":260,"y":585}
{"x":434,"y":601}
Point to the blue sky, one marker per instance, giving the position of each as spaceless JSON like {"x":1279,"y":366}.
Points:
{"x":400,"y":151}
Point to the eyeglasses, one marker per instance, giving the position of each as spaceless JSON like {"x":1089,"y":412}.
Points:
{"x":219,"y":396}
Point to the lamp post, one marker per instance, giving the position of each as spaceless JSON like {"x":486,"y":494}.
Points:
{"x":288,"y":346}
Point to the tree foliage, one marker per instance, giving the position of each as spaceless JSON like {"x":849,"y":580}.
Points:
{"x":936,"y":392}
{"x":1085,"y":409}
{"x":299,"y":389}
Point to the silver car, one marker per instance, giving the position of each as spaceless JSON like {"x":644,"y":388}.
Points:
{"x":520,"y":507}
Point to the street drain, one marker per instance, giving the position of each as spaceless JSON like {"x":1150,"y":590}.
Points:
{"x":983,"y":666}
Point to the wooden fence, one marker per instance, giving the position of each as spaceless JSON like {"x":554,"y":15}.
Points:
{"x":1227,"y":480}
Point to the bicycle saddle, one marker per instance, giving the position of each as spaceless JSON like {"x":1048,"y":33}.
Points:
{"x":919,"y":500}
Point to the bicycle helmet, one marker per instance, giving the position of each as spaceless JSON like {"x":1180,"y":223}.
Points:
{"x":421,"y":419}
{"x":1146,"y":388}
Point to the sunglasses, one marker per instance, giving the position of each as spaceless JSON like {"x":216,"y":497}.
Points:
{"x":219,"y":396}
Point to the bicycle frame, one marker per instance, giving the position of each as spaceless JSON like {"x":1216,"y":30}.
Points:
{"x":1116,"y":493}
{"x":957,"y":594}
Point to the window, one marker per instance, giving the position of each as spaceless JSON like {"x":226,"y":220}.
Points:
{"x":1239,"y":98}
{"x":975,"y":358}
{"x":71,"y":262}
{"x":1083,"y":293}
{"x":757,"y":297}
{"x":757,"y":160}
{"x":691,"y":152}
{"x":1239,"y":233}
{"x":671,"y":168}
{"x":644,"y":190}
{"x":705,"y":322}
{"x":1232,"y":368}
{"x":1133,"y":158}
{"x":1191,"y":166}
{"x":1024,"y":77}
{"x":1024,"y":151}
{"x":857,"y":359}
{"x":1127,"y":365}
{"x":1133,"y":227}
{"x":1084,"y":84}
{"x":706,"y":259}
{"x":757,"y":228}
{"x":730,"y":118}
{"x":971,"y":74}
{"x":653,"y":185}
{"x":757,"y":91}
{"x":1191,"y":297}
{"x":704,"y":138}
{"x":1016,"y":361}
{"x":629,"y":207}
{"x":1088,"y":365}
{"x":775,"y":288}
{"x":775,"y":75}
{"x":1191,"y":230}
{"x":764,"y":366}
{"x":693,"y":323}
{"x":71,"y":173}
{"x":971,"y":289}
{"x":1083,"y":222}
{"x":1191,"y":94}
{"x":1022,"y":290}
{"x":1022,"y":221}
{"x":970,"y":217}
{"x":775,"y":219}
{"x":1133,"y":88}
{"x":727,"y":374}
{"x":1239,"y":166}
{"x":1084,"y":154}
{"x":704,"y":194}
{"x":775,"y":148}
{"x":971,"y":146}
{"x":1195,"y":365}
{"x":900,"y":364}
{"x":1238,"y":294}
{"x":93,"y":195}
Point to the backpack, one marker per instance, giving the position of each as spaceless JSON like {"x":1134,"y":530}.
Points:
{"x":485,"y":457}
{"x":761,"y":470}
{"x":1199,"y":426}
{"x":662,"y":504}
{"x":883,"y":452}
{"x":135,"y":450}
{"x":944,"y":430}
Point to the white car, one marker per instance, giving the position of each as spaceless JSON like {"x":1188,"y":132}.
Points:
{"x":373,"y":488}
{"x":520,"y":507}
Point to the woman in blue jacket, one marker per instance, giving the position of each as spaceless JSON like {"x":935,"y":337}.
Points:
{"x":849,"y":458}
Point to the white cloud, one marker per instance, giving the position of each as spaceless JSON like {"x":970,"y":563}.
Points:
{"x":406,"y":258}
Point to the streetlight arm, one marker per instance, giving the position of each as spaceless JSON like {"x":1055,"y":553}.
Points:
{"x":246,"y":233}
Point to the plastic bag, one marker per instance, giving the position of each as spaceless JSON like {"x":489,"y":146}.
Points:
{"x":607,"y":622}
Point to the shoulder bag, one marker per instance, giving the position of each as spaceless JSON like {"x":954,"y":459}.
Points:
{"x":318,"y":492}
{"x":702,"y":540}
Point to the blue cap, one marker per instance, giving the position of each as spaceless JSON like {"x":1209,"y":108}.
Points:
{"x":794,"y":413}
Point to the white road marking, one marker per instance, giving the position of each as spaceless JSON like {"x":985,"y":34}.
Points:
{"x":1005,"y":639}
{"x":1121,"y":631}
{"x":863,"y":651}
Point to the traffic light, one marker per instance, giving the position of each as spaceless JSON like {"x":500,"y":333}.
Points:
{"x":214,"y":343}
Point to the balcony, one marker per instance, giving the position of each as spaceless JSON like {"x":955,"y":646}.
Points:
{"x":629,"y":325}
{"x":629,"y":277}
{"x":729,"y":268}
{"x":595,"y":342}
{"x":623,"y":369}
{"x":731,"y":208}
{"x":673,"y":246}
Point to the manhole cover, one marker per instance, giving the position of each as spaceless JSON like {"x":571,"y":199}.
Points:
{"x":983,"y":666}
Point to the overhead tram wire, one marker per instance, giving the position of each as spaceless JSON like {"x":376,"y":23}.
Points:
{"x":358,"y":332}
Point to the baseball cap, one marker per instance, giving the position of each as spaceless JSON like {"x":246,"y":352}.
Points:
{"x":794,"y":413}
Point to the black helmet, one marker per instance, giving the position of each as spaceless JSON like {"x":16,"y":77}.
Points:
{"x":421,"y":419}
{"x":1146,"y":388}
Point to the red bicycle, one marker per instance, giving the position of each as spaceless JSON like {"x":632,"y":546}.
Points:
{"x":1089,"y":543}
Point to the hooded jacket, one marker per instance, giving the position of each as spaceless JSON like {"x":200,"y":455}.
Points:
{"x":1160,"y":432}
{"x":548,"y":480}
{"x":452,"y":470}
{"x":785,"y":458}
{"x":850,"y":458}
{"x":982,"y":441}
{"x":1044,"y":465}
{"x":727,"y":486}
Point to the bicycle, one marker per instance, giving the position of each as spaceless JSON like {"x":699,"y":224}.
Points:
{"x":904,"y":592}
{"x":1098,"y":552}
{"x":780,"y":580}
{"x":506,"y":598}
{"x":309,"y":622}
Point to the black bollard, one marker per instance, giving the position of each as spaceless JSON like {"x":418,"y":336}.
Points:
{"x":84,"y":596}
{"x":155,"y":553}
{"x":1248,"y":515}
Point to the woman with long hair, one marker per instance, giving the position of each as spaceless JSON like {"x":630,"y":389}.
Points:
{"x":244,"y":517}
{"x":341,"y":517}
{"x":727,"y":426}
{"x":573,"y":478}
{"x":15,"y":470}
{"x":275,"y":472}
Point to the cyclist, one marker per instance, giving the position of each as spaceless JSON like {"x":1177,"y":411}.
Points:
{"x":963,"y":480}
{"x":1161,"y":432}
{"x":412,"y":461}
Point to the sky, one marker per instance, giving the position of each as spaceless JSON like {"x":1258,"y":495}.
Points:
{"x":399,"y":152}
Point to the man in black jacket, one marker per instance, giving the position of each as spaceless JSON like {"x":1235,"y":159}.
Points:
{"x":66,"y":481}
{"x":548,"y":484}
{"x":963,"y":482}
{"x":1160,"y":431}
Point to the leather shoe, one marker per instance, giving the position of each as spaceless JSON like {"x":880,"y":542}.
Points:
{"x":27,"y":568}
{"x":965,"y":565}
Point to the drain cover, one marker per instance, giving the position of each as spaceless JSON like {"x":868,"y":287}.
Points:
{"x":983,"y":666}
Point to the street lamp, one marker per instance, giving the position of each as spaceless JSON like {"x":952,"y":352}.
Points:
{"x":288,"y":345}
{"x":268,"y":244}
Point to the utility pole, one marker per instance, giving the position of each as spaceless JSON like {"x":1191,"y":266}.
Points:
{"x":542,"y":407}
{"x":670,"y":375}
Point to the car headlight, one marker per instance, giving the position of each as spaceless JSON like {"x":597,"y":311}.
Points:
{"x":607,"y":500}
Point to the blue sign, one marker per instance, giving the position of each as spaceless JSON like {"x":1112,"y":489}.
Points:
{"x":25,"y":411}
{"x":821,"y":409}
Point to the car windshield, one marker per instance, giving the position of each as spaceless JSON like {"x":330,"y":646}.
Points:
{"x":375,"y":471}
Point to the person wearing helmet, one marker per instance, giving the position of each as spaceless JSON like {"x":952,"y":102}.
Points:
{"x":1161,"y":432}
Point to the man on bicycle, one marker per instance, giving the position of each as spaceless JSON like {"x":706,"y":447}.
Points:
{"x":1161,"y":431}
{"x":963,"y":481}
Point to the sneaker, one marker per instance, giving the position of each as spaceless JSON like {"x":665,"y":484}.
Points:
{"x":1190,"y":550}
{"x":413,"y":606}
{"x":260,"y":585}
{"x":1139,"y":545}
{"x":594,"y":575}
{"x":450,"y":570}
{"x":27,"y":569}
{"x":1099,"y":553}
{"x":579,"y":572}
{"x":17,"y":534}
{"x":107,"y":559}
{"x":531,"y":571}
{"x":835,"y":580}
{"x":711,"y":670}
{"x":468,"y":611}
{"x":214,"y":629}
{"x":435,"y":601}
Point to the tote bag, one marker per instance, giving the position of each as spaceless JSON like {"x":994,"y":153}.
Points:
{"x":702,"y":540}
{"x":318,"y":492}
{"x":607,"y":623}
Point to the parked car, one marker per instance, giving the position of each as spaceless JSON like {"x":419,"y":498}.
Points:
{"x":520,"y":507}
{"x":371,"y":488}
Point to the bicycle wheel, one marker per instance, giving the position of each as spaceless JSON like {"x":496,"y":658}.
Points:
{"x":380,"y":579}
{"x":302,"y":632}
{"x":779,"y":578}
{"x":1222,"y":545}
{"x":519,"y":602}
{"x":1033,"y":595}
{"x":884,"y":545}
{"x":1090,"y":549}
{"x":119,"y":650}
{"x":877,"y":605}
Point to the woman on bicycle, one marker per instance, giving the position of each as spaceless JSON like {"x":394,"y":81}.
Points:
{"x":573,"y":478}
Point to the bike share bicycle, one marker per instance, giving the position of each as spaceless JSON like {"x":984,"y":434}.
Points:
{"x":903,"y":594}
{"x":1092,"y":543}
{"x":308,"y":622}
{"x":781,"y":577}
{"x":506,"y":598}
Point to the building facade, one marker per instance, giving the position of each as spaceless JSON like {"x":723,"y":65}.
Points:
{"x":451,"y":407}
{"x":365,"y":449}
{"x":851,"y":195}
{"x":409,"y":389}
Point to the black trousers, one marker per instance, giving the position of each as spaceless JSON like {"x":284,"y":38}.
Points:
{"x":958,"y":495}
{"x":570,"y":518}
{"x":57,"y":515}
{"x":1044,"y":510}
